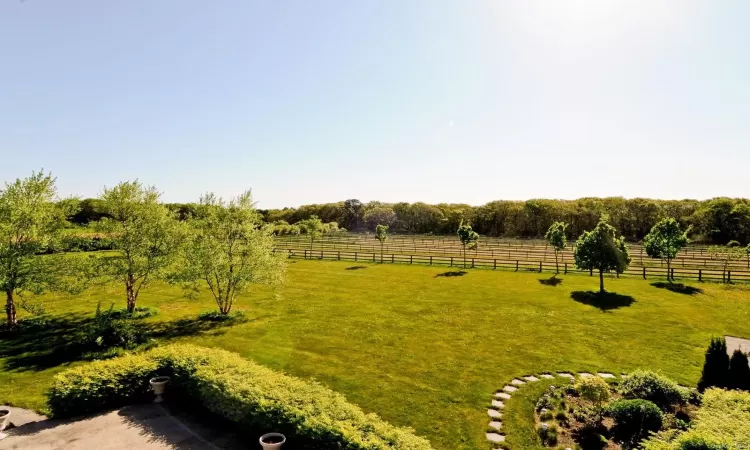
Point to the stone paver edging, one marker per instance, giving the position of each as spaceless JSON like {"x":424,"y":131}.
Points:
{"x":495,"y":411}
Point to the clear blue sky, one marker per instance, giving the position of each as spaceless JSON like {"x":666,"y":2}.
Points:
{"x":431,"y":100}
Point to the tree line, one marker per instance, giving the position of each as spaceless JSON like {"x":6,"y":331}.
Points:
{"x":718,"y":220}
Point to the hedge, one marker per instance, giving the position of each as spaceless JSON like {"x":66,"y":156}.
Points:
{"x":240,"y":391}
{"x":720,"y":424}
{"x":656,"y":388}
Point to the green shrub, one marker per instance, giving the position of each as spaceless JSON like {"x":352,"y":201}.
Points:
{"x":634,"y":420}
{"x":141,"y":312}
{"x":716,"y":366}
{"x":548,"y":434}
{"x":546,"y":416}
{"x":593,"y":389}
{"x":739,"y":372}
{"x":653,"y":387}
{"x":249,"y":395}
{"x":720,"y":424}
{"x":107,"y":331}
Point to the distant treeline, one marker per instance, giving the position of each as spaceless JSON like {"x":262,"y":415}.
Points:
{"x":718,"y":220}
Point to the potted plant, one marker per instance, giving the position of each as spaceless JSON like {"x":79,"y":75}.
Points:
{"x":158,"y":384}
{"x":272,"y":441}
{"x":4,"y":416}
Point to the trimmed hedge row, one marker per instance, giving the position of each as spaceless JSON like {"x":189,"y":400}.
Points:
{"x":245,"y":393}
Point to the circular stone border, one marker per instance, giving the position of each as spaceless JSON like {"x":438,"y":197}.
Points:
{"x":495,"y":411}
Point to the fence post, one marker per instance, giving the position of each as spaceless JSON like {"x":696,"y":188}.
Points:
{"x":430,"y":259}
{"x":540,"y":267}
{"x":729,"y":276}
{"x":494,"y":266}
{"x":411,"y":259}
{"x":516,"y":265}
{"x":700,"y":274}
{"x":566,"y":269}
{"x":451,"y":261}
{"x":355,"y":256}
{"x":339,"y":255}
{"x":321,"y":254}
{"x":373,"y":257}
{"x":644,"y":273}
{"x":393,"y":259}
{"x":305,"y":254}
{"x":472,"y":263}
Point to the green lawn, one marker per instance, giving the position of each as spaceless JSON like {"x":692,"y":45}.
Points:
{"x":421,"y":350}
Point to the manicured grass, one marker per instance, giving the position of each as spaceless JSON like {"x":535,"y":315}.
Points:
{"x":423,"y":350}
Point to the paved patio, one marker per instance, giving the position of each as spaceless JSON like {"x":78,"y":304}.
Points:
{"x":151,"y":427}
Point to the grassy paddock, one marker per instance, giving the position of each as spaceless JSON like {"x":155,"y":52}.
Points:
{"x":419,"y":349}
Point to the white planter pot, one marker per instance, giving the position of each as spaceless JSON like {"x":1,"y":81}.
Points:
{"x":272,"y":441}
{"x":158,"y":384}
{"x":4,"y":418}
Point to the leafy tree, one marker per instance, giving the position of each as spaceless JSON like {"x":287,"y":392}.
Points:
{"x":353,"y":211}
{"x":381,"y":234}
{"x":665,"y":240}
{"x":379,"y":215}
{"x":313,"y":227}
{"x":467,"y":236}
{"x":716,"y":366}
{"x":739,"y":372}
{"x":600,"y":249}
{"x":228,"y":249}
{"x":30,"y":222}
{"x":557,"y":239}
{"x":143,"y":231}
{"x":725,"y":254}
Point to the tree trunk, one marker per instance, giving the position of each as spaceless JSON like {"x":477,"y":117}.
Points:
{"x":10,"y":310}
{"x":131,"y":297}
{"x":669,"y":270}
{"x":381,"y":253}
{"x":557,"y":265}
{"x":464,"y":256}
{"x":601,"y":281}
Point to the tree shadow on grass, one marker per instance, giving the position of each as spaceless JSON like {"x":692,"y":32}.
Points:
{"x":356,"y":268}
{"x":454,"y":273}
{"x":189,"y":327}
{"x":605,"y":302}
{"x":678,"y":288}
{"x":41,"y":344}
{"x":552,"y":281}
{"x":54,"y":341}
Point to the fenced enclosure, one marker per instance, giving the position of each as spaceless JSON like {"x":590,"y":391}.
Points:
{"x":508,"y":254}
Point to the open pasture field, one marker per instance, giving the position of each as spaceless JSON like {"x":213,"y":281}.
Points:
{"x":507,"y":252}
{"x":427,"y":351}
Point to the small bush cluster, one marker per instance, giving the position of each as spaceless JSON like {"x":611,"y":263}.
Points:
{"x":548,"y":434}
{"x":719,"y":370}
{"x":655,"y":388}
{"x":634,"y":420}
{"x":720,"y":424}
{"x":109,"y":330}
{"x":240,"y":391}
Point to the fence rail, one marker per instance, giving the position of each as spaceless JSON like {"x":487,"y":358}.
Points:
{"x":517,"y":265}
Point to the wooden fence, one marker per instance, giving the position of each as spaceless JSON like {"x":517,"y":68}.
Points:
{"x":517,"y":265}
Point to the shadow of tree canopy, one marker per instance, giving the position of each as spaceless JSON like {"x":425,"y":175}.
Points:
{"x":678,"y":288}
{"x":41,"y":344}
{"x":552,"y":281}
{"x":454,"y":273}
{"x":356,"y":268}
{"x":604,"y":301}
